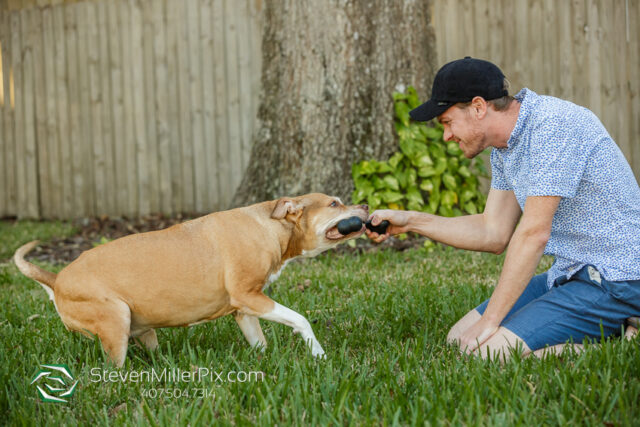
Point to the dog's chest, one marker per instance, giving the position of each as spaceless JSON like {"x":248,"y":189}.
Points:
{"x":274,"y":276}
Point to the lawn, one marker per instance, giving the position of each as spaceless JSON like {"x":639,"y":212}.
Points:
{"x":382,"y":318}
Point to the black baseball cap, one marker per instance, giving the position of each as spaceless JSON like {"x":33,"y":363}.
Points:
{"x":460,"y":81}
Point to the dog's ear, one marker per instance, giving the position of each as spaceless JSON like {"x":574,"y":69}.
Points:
{"x":287,"y":208}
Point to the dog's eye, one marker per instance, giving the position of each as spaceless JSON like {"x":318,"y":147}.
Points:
{"x":334,"y":204}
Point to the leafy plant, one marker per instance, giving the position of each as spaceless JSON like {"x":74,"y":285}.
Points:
{"x":428,"y":174}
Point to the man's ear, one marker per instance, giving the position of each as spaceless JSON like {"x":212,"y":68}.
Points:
{"x":286,"y":207}
{"x":479,"y":106}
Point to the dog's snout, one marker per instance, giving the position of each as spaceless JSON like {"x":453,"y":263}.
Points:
{"x":364,"y":207}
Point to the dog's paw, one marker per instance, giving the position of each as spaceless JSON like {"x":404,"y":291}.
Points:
{"x":318,"y":352}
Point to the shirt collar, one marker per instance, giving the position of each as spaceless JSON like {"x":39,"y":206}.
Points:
{"x":526,"y":98}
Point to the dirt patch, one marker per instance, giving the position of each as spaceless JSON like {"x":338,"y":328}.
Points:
{"x":95,"y":231}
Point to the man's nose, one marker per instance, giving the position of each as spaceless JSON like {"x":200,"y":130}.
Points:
{"x":447,"y":135}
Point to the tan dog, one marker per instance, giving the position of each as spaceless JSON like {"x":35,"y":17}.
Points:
{"x":194,"y":272}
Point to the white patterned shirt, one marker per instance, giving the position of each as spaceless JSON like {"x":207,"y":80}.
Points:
{"x":558,"y":148}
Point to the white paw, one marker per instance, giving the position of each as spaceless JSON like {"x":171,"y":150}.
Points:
{"x":317,"y":351}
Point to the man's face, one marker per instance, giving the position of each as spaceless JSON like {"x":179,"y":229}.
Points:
{"x":461,"y":126}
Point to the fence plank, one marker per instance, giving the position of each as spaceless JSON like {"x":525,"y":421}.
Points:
{"x":75,"y":133}
{"x":244,"y":74}
{"x":210,"y":141}
{"x":94,"y":133}
{"x":4,"y":209}
{"x":62,"y":112}
{"x":195,"y":91}
{"x":43,"y":142}
{"x":594,"y":60}
{"x":116,"y":33}
{"x":17,"y":27}
{"x":18,"y":76}
{"x":175,"y":160}
{"x":579,"y":57}
{"x":562,"y":86}
{"x":233,"y":107}
{"x":148,"y":156}
{"x":160,"y":71}
{"x":51,"y":209}
{"x":139,"y":202}
{"x":184,"y":96}
{"x":612,"y":67}
{"x":86,"y":147}
{"x":518,"y":67}
{"x":480,"y":14}
{"x":225,"y":169}
{"x":108,"y":195}
{"x":255,"y":27}
{"x":549,"y":51}
{"x":497,"y":34}
{"x":29,"y":92}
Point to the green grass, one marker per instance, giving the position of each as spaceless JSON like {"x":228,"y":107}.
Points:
{"x":14,"y":234}
{"x":381,"y":317}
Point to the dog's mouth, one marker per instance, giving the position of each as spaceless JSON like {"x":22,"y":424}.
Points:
{"x":334,"y":234}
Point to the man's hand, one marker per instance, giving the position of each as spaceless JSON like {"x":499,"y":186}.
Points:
{"x":398,"y":223}
{"x":477,"y":334}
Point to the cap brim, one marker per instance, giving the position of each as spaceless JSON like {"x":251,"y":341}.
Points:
{"x":429,"y":110}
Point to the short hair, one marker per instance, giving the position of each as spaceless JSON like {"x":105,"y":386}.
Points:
{"x":499,"y":104}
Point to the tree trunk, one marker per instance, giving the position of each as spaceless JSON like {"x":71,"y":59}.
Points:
{"x":329,"y":71}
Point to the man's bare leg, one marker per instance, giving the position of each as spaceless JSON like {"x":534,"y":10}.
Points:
{"x":462,"y":325}
{"x":501,"y":344}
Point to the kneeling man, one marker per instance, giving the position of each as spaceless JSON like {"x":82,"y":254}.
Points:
{"x":561,"y":186}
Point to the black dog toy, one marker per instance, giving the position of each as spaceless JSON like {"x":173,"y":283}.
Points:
{"x":380,"y":228}
{"x":349,"y":225}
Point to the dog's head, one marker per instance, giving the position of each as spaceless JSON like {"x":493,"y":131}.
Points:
{"x":315,"y":218}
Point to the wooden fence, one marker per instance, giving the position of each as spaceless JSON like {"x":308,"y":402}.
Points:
{"x":126,"y":107}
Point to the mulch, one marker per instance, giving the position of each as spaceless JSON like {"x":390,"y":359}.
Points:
{"x":94,"y":231}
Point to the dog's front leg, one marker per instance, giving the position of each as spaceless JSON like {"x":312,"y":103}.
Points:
{"x":260,"y":305}
{"x":250,"y":327}
{"x":298,"y":322}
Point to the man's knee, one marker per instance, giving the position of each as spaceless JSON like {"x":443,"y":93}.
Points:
{"x":501,"y":344}
{"x":453,"y":335}
{"x":462,"y":325}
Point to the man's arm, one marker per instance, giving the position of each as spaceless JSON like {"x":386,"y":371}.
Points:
{"x":524,"y":253}
{"x":489,"y":231}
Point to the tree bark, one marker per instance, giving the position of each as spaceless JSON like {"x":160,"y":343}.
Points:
{"x":329,"y":71}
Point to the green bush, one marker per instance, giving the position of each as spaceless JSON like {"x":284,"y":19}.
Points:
{"x":427,"y":174}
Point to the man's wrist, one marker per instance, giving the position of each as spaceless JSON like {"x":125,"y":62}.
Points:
{"x":415,"y":221}
{"x":492,"y":319}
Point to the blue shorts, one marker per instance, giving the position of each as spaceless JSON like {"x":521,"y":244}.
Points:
{"x":573,"y":309}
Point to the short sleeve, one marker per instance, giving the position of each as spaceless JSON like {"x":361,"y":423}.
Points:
{"x":498,"y":180}
{"x":558,"y":159}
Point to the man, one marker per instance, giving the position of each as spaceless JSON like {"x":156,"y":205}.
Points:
{"x":561,"y":186}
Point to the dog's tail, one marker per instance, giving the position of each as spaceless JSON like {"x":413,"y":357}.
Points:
{"x":44,"y":277}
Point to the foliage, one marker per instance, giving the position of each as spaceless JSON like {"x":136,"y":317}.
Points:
{"x":427,"y":174}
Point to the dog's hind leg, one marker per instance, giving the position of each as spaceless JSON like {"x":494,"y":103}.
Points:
{"x":114,"y":331}
{"x":250,"y":327}
{"x":110,"y":320}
